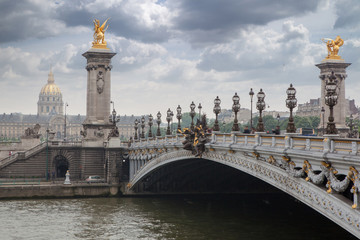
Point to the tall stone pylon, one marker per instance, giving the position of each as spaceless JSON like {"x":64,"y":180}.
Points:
{"x":334,"y":63}
{"x":96,"y":125}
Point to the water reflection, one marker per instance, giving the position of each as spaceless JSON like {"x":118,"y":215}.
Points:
{"x":255,"y":216}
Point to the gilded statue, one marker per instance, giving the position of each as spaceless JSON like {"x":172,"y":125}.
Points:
{"x":333,"y":47}
{"x":99,"y":34}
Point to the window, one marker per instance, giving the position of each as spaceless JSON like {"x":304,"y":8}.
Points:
{"x":47,"y":108}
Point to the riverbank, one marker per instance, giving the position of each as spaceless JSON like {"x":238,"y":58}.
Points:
{"x":51,"y":190}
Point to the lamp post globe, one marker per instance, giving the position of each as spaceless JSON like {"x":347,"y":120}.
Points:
{"x":168,"y":119}
{"x":331,"y":97}
{"x":291,"y":103}
{"x":136,"y":122}
{"x":158,"y":121}
{"x":251,"y":94}
{"x":236,"y":108}
{"x":150,"y":124}
{"x":199,"y":107}
{"x":143,"y":127}
{"x":178,"y":116}
{"x":192,"y":114}
{"x":260,"y":105}
{"x":217,"y":110}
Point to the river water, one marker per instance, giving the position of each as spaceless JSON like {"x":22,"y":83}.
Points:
{"x":245,"y":216}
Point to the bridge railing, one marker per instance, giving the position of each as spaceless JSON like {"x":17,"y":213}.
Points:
{"x":291,"y":141}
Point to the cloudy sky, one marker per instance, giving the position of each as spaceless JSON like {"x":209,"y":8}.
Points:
{"x":172,"y":52}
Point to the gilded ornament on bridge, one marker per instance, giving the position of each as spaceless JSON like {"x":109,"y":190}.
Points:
{"x":196,"y":139}
{"x":99,"y":34}
{"x":333,"y":47}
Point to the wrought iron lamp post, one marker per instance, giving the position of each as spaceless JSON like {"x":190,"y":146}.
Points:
{"x":171,"y":115}
{"x":150,"y":124}
{"x":168,"y":119}
{"x":236,"y":108}
{"x":260,"y":105}
{"x":331,"y":100}
{"x":136,"y":122}
{"x":217,"y":110}
{"x":158,"y":121}
{"x":192,"y":114}
{"x":352,"y":133}
{"x":323,"y":120}
{"x":143,"y":127}
{"x":66,"y":105}
{"x":251,"y":93}
{"x":178,"y":116}
{"x":291,"y":103}
{"x":113,"y":118}
{"x":199,"y":107}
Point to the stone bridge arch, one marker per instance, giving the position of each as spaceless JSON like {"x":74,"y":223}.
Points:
{"x":334,"y":207}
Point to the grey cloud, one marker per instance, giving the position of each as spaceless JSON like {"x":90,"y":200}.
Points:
{"x":348,"y":12}
{"x":228,"y":16}
{"x":23,"y":19}
{"x":121,"y":22}
{"x":260,"y":53}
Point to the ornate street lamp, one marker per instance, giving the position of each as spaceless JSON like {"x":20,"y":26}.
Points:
{"x":158,"y":121}
{"x":136,"y":122}
{"x":171,"y":115}
{"x":352,"y":132}
{"x":323,"y":120}
{"x":178,"y":116}
{"x":236,"y":108}
{"x":331,"y":97}
{"x":260,"y":105}
{"x":291,"y":103}
{"x":217,"y":110}
{"x":251,"y":93}
{"x":168,"y":119}
{"x":113,"y":118}
{"x":143,"y":127}
{"x":199,"y":107}
{"x":192,"y":114}
{"x":150,"y":124}
{"x":66,"y":105}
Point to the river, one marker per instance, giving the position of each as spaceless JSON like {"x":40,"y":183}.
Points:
{"x":194,"y":217}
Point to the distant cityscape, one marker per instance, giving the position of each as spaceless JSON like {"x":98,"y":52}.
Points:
{"x":52,"y":112}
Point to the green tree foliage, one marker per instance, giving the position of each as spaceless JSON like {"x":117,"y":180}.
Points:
{"x":300,"y":122}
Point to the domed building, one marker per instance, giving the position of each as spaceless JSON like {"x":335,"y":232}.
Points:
{"x":50,"y":98}
{"x":50,"y":116}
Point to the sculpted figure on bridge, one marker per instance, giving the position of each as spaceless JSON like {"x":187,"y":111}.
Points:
{"x":99,"y":34}
{"x":32,"y":132}
{"x":333,"y":47}
{"x":195,"y":140}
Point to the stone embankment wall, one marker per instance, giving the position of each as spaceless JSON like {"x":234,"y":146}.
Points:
{"x":58,"y":191}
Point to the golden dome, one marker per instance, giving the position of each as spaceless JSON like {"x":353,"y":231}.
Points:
{"x":50,"y":88}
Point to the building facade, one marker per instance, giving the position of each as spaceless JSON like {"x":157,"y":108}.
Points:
{"x":50,"y":116}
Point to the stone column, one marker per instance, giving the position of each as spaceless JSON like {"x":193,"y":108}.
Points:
{"x":339,"y":68}
{"x":96,"y":124}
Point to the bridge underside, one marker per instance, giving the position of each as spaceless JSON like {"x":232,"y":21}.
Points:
{"x":199,"y":176}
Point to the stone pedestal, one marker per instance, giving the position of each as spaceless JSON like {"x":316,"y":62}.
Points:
{"x":97,"y":125}
{"x":339,"y":68}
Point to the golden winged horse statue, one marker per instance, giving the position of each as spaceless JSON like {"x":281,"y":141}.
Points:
{"x":99,"y":34}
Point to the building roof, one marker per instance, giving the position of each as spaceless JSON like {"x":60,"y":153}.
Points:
{"x":50,"y":88}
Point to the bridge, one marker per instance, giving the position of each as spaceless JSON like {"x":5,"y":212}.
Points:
{"x":320,"y":172}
